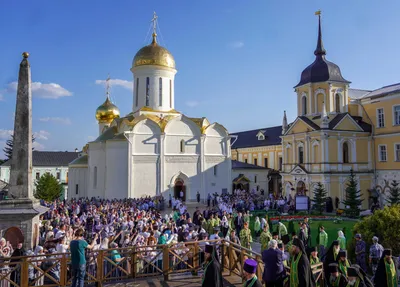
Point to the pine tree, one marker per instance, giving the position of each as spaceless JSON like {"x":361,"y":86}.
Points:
{"x":353,"y":197}
{"x":394,"y":197}
{"x":8,"y":149}
{"x":48,"y":188}
{"x":319,"y":200}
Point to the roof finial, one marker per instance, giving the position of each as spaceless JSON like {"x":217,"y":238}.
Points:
{"x":320,"y":46}
{"x":108,"y":86}
{"x":154,"y":20}
{"x":284,"y":123}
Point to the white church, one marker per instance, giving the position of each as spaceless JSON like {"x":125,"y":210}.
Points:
{"x":154,"y":150}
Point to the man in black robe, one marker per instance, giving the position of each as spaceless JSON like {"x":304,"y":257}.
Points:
{"x":354,"y":278}
{"x":249,"y":274}
{"x":335,"y":279}
{"x":386,"y":271}
{"x":300,"y":268}
{"x":212,"y":276}
{"x":363,"y":275}
{"x":331,"y":256}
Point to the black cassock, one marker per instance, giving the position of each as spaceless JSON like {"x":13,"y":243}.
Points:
{"x":212,"y":275}
{"x":257,"y":283}
{"x":380,"y":278}
{"x":342,"y":281}
{"x":304,"y":273}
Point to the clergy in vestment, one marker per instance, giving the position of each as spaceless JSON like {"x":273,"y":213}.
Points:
{"x":386,"y":274}
{"x":335,"y":279}
{"x":212,"y":276}
{"x":300,"y":268}
{"x":265,"y":237}
{"x":249,"y":274}
{"x":245,"y":236}
{"x":354,"y":278}
{"x":331,"y":256}
{"x":343,"y":262}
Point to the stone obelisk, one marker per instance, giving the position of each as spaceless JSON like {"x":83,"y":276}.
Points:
{"x":21,"y":161}
{"x":19,"y":215}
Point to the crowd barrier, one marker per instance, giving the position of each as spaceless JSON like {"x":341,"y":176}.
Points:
{"x":125,"y":264}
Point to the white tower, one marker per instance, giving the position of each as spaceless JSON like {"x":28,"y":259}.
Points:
{"x":153,"y":69}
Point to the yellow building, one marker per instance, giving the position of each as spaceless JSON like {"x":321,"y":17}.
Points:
{"x":337,"y":129}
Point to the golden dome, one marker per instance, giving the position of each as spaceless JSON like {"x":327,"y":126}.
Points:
{"x":107,"y":112}
{"x":154,"y":54}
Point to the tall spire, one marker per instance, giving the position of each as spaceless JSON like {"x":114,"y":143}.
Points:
{"x":154,"y":20}
{"x":320,"y":46}
{"x":284,"y":123}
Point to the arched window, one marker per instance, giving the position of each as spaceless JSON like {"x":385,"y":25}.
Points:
{"x":160,"y":92}
{"x":182,"y":147}
{"x":345,"y":152}
{"x":304,"y":105}
{"x":337,"y":103}
{"x":301,"y":154}
{"x":147,"y":91}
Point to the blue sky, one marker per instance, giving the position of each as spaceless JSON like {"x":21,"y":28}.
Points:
{"x":237,"y":61}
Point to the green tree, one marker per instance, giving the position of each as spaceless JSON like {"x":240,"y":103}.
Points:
{"x":8,"y":149}
{"x":320,"y":196}
{"x":353,"y":197}
{"x":394,"y":197}
{"x":48,"y":188}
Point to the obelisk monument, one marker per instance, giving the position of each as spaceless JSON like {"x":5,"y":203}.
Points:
{"x":19,"y":215}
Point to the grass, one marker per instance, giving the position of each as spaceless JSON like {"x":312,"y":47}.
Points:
{"x":330,"y":227}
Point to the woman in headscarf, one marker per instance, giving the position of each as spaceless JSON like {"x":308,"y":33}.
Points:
{"x":386,"y":274}
{"x":212,"y":276}
{"x":341,"y":239}
{"x":300,"y":268}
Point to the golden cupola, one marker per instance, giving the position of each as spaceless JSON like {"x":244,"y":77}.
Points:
{"x":153,"y":54}
{"x":107,"y":112}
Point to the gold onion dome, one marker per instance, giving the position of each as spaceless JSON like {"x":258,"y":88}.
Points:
{"x":107,"y":112}
{"x":154,"y":54}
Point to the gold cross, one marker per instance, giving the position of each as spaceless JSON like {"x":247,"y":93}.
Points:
{"x":108,"y":84}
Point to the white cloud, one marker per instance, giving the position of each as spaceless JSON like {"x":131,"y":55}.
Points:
{"x":192,"y":104}
{"x":236,"y":45}
{"x":37,"y":146}
{"x":44,"y":91}
{"x":117,"y":82}
{"x":41,"y":135}
{"x":5,"y":134}
{"x":59,"y":120}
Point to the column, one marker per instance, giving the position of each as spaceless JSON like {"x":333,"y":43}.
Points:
{"x":202,"y":167}
{"x":162,"y":164}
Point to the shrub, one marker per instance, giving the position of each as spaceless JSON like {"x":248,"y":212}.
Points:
{"x":385,"y":224}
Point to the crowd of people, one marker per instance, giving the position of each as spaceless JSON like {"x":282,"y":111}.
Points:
{"x":97,"y":224}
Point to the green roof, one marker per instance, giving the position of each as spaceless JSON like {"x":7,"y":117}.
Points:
{"x":82,"y":160}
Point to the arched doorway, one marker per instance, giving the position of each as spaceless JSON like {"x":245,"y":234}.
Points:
{"x":15,"y":236}
{"x":301,"y":188}
{"x":179,"y":186}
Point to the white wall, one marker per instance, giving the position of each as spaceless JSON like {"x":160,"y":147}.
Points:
{"x":97,"y":158}
{"x":77,"y":176}
{"x":144,"y":176}
{"x":117,"y":169}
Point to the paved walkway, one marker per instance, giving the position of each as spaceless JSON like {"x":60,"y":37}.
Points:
{"x":176,"y":281}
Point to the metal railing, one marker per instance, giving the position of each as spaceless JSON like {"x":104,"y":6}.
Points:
{"x":124,"y":264}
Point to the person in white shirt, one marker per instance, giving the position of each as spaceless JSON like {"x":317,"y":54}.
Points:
{"x":215,"y":236}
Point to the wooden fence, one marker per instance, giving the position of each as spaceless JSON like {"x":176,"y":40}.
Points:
{"x":124,"y":264}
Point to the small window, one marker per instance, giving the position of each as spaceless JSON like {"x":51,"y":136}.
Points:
{"x":304,"y":105}
{"x":280,"y":163}
{"x":380,"y":118}
{"x":382,"y":153}
{"x":95,"y":177}
{"x":397,"y":152}
{"x":255,"y":161}
{"x":37,"y":175}
{"x":301,"y":154}
{"x":261,"y":137}
{"x":59,"y":175}
{"x":160,"y":92}
{"x":345,"y":153}
{"x":215,"y":170}
{"x":245,"y":160}
{"x":255,"y":179}
{"x":137,"y":92}
{"x":76,"y":189}
{"x":147,"y":91}
{"x":396,"y":115}
{"x":182,"y":147}
{"x":337,"y":103}
{"x":266,"y":162}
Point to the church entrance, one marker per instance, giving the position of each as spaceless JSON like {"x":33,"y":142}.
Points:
{"x":178,"y":187}
{"x":301,"y":188}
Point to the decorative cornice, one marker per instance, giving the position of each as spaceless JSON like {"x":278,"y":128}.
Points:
{"x":182,"y":158}
{"x":145,"y":158}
